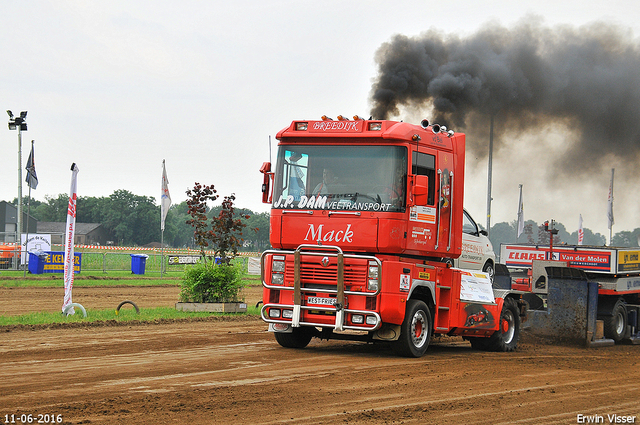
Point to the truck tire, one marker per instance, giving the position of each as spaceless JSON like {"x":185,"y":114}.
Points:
{"x":415,"y":331}
{"x":478,"y":343}
{"x":506,"y":338}
{"x":299,"y":338}
{"x":616,"y":324}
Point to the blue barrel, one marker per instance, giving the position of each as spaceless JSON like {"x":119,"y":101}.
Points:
{"x":138,"y":262}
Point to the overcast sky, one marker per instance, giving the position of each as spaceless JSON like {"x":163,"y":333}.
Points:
{"x":117,"y":87}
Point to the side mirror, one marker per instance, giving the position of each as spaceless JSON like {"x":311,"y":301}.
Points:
{"x":266,"y":184}
{"x":483,"y":232}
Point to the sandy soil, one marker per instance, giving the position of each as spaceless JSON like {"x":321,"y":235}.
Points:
{"x":224,"y":370}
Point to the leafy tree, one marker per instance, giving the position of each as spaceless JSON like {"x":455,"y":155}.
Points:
{"x":259,"y":240}
{"x":626,"y":238}
{"x":226,"y":230}
{"x":197,"y":209}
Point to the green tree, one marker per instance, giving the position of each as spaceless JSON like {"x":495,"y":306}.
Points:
{"x":626,"y":238}
{"x":132,"y":219}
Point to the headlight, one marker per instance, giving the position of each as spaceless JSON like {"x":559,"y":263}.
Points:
{"x":277,"y":266}
{"x":274,"y":312}
{"x":287,"y":314}
{"x":372,"y":285}
{"x":277,"y":279}
{"x":357,"y":319}
{"x":371,"y":320}
{"x":373,"y":271}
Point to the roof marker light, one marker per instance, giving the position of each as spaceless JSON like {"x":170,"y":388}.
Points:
{"x":357,"y":118}
{"x":342,"y":118}
{"x":415,"y":138}
{"x":326,"y":118}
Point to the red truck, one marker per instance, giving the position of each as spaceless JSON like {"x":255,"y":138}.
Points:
{"x":366,"y":217}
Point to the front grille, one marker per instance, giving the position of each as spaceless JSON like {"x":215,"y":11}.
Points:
{"x":314,"y":275}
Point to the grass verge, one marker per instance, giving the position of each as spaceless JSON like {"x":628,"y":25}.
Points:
{"x":126,"y":314}
{"x":17,"y":280}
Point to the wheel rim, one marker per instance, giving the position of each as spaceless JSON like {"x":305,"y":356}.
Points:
{"x":419,"y":329}
{"x":619,"y":323}
{"x":489,"y":270}
{"x":508,"y":322}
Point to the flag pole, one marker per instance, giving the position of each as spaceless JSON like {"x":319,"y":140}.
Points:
{"x":31,"y":177}
{"x":165,"y":203}
{"x":26,"y":238}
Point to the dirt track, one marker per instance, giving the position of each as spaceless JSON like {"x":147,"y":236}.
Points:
{"x":232,"y":370}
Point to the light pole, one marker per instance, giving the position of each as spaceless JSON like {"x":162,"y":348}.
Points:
{"x":20,"y":124}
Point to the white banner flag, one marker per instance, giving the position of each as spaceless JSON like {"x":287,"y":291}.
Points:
{"x":610,"y":207}
{"x":580,"y":231}
{"x":520,"y":214}
{"x":69,"y":253}
{"x":165,"y":198}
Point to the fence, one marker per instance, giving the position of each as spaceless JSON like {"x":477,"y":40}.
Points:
{"x":107,"y":261}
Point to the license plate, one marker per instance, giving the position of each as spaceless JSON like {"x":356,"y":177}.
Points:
{"x":321,"y":301}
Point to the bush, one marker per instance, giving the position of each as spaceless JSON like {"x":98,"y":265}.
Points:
{"x":211,"y":283}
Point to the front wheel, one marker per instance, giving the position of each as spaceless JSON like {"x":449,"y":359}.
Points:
{"x":415,"y":332}
{"x":506,"y":338}
{"x":490,"y":270}
{"x":299,"y":338}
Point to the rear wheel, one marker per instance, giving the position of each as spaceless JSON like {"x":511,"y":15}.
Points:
{"x":415,"y":332}
{"x":506,"y":338}
{"x":299,"y":338}
{"x":616,"y":324}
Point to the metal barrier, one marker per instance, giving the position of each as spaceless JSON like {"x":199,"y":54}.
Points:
{"x":119,"y":261}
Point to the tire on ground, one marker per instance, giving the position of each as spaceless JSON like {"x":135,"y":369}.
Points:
{"x":415,"y":331}
{"x":615,"y":324}
{"x":506,"y":338}
{"x":299,"y":338}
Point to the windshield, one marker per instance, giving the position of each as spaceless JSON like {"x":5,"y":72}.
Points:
{"x":357,"y":178}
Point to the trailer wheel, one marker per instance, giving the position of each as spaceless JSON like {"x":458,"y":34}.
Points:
{"x":506,"y":338}
{"x":616,"y":324}
{"x":299,"y":338}
{"x":415,"y":331}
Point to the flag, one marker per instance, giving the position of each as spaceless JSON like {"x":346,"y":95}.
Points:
{"x":32,"y":177}
{"x":165,"y":198}
{"x":580,"y":231}
{"x":610,"y":207}
{"x":68,"y":239}
{"x":520,"y":214}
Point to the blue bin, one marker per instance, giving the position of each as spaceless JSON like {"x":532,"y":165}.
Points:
{"x":138,"y":262}
{"x":36,"y":262}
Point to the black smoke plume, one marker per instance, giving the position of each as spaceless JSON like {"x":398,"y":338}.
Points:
{"x":530,"y":77}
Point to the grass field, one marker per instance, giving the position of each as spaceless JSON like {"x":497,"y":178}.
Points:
{"x":16,"y":279}
{"x":126,"y":314}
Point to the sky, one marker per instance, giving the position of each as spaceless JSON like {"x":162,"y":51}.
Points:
{"x":117,"y":87}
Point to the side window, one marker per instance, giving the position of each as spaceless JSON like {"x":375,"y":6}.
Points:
{"x":295,"y":174}
{"x":469,"y":226}
{"x":425,"y":165}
